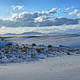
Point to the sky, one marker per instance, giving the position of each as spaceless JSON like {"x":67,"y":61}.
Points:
{"x":18,"y":16}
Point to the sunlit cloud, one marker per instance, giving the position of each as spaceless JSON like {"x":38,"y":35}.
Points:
{"x":74,"y":12}
{"x":18,"y":7}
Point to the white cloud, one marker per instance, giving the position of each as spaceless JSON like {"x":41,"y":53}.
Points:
{"x":78,"y":14}
{"x":40,"y":18}
{"x":67,"y":9}
{"x":18,"y":7}
{"x":31,"y":19}
{"x":3,"y":27}
{"x":74,"y":12}
{"x":59,"y":29}
{"x":14,"y":16}
{"x":52,"y":11}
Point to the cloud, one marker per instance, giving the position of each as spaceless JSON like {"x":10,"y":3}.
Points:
{"x":74,"y":12}
{"x":78,"y":14}
{"x":59,"y":21}
{"x":54,"y":29}
{"x":18,"y":7}
{"x":3,"y":27}
{"x":41,"y":19}
{"x":52,"y":11}
{"x":67,"y":9}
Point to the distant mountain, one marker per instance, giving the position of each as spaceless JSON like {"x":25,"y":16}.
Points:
{"x":51,"y":33}
{"x":66,"y":33}
{"x":78,"y":33}
{"x":10,"y":34}
{"x":23,"y":33}
{"x":31,"y":33}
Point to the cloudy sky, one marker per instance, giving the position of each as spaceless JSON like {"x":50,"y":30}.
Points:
{"x":18,"y":16}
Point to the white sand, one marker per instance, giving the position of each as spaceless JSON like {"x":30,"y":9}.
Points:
{"x":58,"y":68}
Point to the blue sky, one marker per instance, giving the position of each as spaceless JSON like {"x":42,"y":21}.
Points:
{"x":36,"y":5}
{"x":31,"y":13}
